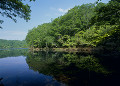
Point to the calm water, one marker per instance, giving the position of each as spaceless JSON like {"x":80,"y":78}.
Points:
{"x":18,"y":67}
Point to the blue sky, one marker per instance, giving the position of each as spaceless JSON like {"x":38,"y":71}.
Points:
{"x":42,"y":12}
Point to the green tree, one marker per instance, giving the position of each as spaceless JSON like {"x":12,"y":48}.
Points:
{"x":39,"y":36}
{"x":109,"y":14}
{"x":14,"y":8}
{"x":85,"y":25}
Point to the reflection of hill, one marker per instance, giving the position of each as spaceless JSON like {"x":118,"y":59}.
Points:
{"x":71,"y":69}
{"x":13,"y":53}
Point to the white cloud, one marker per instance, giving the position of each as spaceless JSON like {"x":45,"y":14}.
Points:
{"x":63,"y":10}
{"x":56,"y":12}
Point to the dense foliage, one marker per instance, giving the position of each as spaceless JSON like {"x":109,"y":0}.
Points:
{"x":12,"y":44}
{"x":86,"y":25}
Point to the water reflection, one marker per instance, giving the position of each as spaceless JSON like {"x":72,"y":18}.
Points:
{"x":13,"y":53}
{"x":1,"y":84}
{"x":69,"y":68}
{"x":23,"y":68}
{"x":14,"y":71}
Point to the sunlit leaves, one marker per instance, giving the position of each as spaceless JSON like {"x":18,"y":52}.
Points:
{"x":86,"y":25}
{"x":39,"y":37}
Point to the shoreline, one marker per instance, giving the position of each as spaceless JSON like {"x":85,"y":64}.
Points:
{"x":80,"y":49}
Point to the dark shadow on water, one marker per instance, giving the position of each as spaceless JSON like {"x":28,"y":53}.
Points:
{"x":1,"y":84}
{"x":76,"y":68}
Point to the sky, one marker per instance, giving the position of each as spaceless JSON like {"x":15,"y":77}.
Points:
{"x":43,"y":11}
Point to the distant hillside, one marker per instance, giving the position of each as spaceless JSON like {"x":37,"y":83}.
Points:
{"x":12,"y":44}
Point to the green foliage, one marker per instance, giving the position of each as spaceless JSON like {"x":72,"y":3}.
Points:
{"x":109,"y":13}
{"x":74,"y":20}
{"x":111,"y":40}
{"x":96,"y":34}
{"x":12,"y":44}
{"x":62,"y":29}
{"x":39,"y":37}
{"x":86,"y":25}
{"x":14,"y":8}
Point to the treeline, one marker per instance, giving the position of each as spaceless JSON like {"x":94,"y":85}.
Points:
{"x":12,"y":44}
{"x":90,"y":25}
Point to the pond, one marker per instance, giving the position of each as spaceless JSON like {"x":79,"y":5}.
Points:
{"x":19,"y":67}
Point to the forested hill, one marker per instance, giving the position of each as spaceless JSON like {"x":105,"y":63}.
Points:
{"x":86,"y":25}
{"x":12,"y":44}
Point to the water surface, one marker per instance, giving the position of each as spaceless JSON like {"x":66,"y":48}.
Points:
{"x":19,"y":67}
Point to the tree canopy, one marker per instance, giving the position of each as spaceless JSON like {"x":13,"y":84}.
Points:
{"x":109,"y":13}
{"x":91,"y":25}
{"x":13,"y":9}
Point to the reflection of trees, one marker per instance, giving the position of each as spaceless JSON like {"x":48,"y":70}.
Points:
{"x":13,"y":53}
{"x":68,"y":68}
{"x":1,"y":84}
{"x":85,"y":62}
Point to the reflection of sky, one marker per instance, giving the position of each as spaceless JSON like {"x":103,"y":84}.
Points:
{"x":15,"y":72}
